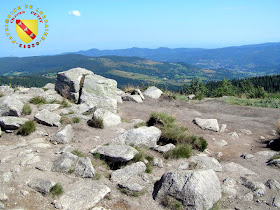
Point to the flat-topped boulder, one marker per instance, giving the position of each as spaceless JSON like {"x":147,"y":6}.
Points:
{"x":143,"y":136}
{"x":207,"y":124}
{"x":116,"y":153}
{"x":83,"y":195}
{"x":109,"y":119}
{"x":10,"y":106}
{"x":12,"y":123}
{"x":152,"y":92}
{"x":48,"y":118}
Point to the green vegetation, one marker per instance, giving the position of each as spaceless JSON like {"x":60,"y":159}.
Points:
{"x":76,"y":119}
{"x":141,"y":156}
{"x":66,"y":120}
{"x":277,"y":156}
{"x":37,"y":100}
{"x":180,"y":151}
{"x":27,"y":128}
{"x":267,"y":102}
{"x":131,"y":193}
{"x":78,"y":153}
{"x":171,"y":203}
{"x":57,"y":190}
{"x":25,"y":81}
{"x":96,"y":123}
{"x":1,"y":95}
{"x":64,"y":104}
{"x":176,"y":134}
{"x":45,"y":89}
{"x":138,"y":125}
{"x":26,"y":110}
{"x":125,"y":120}
{"x":97,"y":176}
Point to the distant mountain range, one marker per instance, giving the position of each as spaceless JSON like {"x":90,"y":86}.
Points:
{"x":259,"y":58}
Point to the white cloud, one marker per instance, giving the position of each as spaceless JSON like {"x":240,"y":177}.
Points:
{"x":75,"y":13}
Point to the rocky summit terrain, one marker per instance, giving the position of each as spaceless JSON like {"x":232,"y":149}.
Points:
{"x":84,"y":144}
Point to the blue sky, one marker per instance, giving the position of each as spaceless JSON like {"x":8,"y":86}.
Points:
{"x":118,"y":24}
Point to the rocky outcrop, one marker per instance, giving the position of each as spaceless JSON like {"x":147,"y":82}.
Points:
{"x":134,"y":98}
{"x":152,"y":92}
{"x":48,"y":118}
{"x":83,"y":195}
{"x":207,"y":124}
{"x":64,"y":135}
{"x":40,"y":185}
{"x":109,"y":119}
{"x":141,"y":137}
{"x":83,"y":86}
{"x":12,"y":123}
{"x":116,"y":153}
{"x":10,"y":106}
{"x":198,"y":189}
{"x":128,"y":172}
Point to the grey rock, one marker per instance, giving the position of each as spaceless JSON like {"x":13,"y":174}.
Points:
{"x":84,"y":168}
{"x":221,"y":143}
{"x":3,"y":197}
{"x":132,"y":187}
{"x":191,"y":97}
{"x":48,"y":118}
{"x":134,"y":98}
{"x":273,"y":184}
{"x":198,"y":189}
{"x":50,"y":86}
{"x":100,"y":92}
{"x":128,"y":172}
{"x":109,"y":119}
{"x":275,"y":162}
{"x":266,"y":153}
{"x":64,"y":135}
{"x":64,"y":149}
{"x":247,"y":156}
{"x":49,"y":107}
{"x":249,"y":197}
{"x":40,"y":185}
{"x":2,"y":206}
{"x":65,"y":163}
{"x":276,"y":201}
{"x":119,"y":100}
{"x":206,"y":162}
{"x":141,"y":137}
{"x":153,"y":92}
{"x":68,"y":82}
{"x":234,"y":135}
{"x":120,"y":92}
{"x":163,"y":149}
{"x":223,"y":128}
{"x":183,"y":166}
{"x":254,"y":186}
{"x":158,"y":162}
{"x":12,"y":123}
{"x":209,"y":124}
{"x":138,"y":92}
{"x":83,"y":195}
{"x":116,"y":153}
{"x":245,"y":131}
{"x":6,"y":90}
{"x":35,"y":91}
{"x":237,"y":170}
{"x":10,"y":106}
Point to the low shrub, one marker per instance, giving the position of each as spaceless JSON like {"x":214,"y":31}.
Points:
{"x":96,"y":123}
{"x":56,"y":190}
{"x":180,"y":151}
{"x":76,"y":120}
{"x":131,"y":193}
{"x":171,"y":203}
{"x":26,"y":110}
{"x":64,"y":104}
{"x":138,"y":125}
{"x":27,"y":128}
{"x":78,"y":153}
{"x":37,"y":100}
{"x":65,"y":120}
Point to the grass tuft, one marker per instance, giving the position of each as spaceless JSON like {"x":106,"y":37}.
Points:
{"x":131,"y":193}
{"x":26,"y":110}
{"x":138,"y":125}
{"x":64,"y":104}
{"x":76,"y":119}
{"x":171,"y":203}
{"x":180,"y":151}
{"x":65,"y":120}
{"x":78,"y":153}
{"x":96,"y":123}
{"x":266,"y":102}
{"x":27,"y":128}
{"x":37,"y":100}
{"x":56,"y":190}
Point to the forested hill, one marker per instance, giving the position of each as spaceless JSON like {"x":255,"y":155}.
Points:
{"x":259,"y":58}
{"x":133,"y":70}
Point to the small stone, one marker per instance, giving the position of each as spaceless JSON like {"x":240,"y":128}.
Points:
{"x":40,"y":185}
{"x":223,"y":128}
{"x":3,"y":197}
{"x":245,"y":131}
{"x":276,"y":201}
{"x":158,"y":162}
{"x":132,"y":187}
{"x":273,"y":184}
{"x":248,"y":197}
{"x":247,"y":156}
{"x":234,"y":135}
{"x":163,"y":149}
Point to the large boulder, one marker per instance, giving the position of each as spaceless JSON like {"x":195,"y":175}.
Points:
{"x":128,"y":172}
{"x":40,"y":185}
{"x":10,"y":106}
{"x":12,"y":123}
{"x":109,"y":119}
{"x":207,"y":124}
{"x":152,"y":92}
{"x":100,"y":92}
{"x":64,"y":135}
{"x":83,"y":195}
{"x":48,"y":118}
{"x":68,"y":83}
{"x":142,"y":137}
{"x":198,"y":189}
{"x":116,"y":153}
{"x":83,"y":86}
